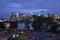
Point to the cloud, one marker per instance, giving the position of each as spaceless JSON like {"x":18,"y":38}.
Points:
{"x":30,"y":5}
{"x":10,"y":5}
{"x":33,"y":10}
{"x":19,"y":1}
{"x":14,"y":5}
{"x":6,"y":4}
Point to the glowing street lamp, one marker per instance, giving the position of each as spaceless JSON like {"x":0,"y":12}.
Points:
{"x":14,"y":36}
{"x":17,"y":35}
{"x":7,"y":25}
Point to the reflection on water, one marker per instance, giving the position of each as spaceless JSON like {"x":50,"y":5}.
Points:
{"x":21,"y":26}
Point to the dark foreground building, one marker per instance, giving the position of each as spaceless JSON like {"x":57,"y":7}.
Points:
{"x":8,"y":24}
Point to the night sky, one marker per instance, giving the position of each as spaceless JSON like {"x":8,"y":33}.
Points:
{"x":26,"y":6}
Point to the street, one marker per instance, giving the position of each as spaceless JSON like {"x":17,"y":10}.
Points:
{"x":36,"y":36}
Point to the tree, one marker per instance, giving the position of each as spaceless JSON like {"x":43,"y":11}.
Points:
{"x":38,"y":21}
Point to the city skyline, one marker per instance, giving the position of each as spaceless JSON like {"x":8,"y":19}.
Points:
{"x":26,"y":6}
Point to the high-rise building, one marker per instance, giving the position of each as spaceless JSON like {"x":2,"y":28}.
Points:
{"x":13,"y":15}
{"x":17,"y":15}
{"x":30,"y":16}
{"x":50,"y":15}
{"x":21,"y":16}
{"x":56,"y":16}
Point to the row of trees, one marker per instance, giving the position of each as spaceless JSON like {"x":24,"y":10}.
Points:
{"x":40,"y":20}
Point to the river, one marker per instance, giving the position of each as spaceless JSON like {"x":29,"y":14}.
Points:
{"x":21,"y":26}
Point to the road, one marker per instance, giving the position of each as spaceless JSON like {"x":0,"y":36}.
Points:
{"x":37,"y":35}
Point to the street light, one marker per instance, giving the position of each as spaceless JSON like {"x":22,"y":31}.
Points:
{"x":17,"y":35}
{"x":14,"y":36}
{"x":7,"y":25}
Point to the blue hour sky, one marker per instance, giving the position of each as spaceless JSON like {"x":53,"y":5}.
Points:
{"x":26,"y":6}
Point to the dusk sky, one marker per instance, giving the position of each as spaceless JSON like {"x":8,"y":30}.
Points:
{"x":26,"y":6}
